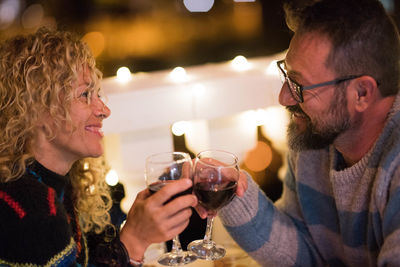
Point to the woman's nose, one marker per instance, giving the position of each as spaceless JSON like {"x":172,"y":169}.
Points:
{"x":285,"y":96}
{"x":101,"y":109}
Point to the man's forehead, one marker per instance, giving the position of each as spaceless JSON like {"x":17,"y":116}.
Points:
{"x":309,"y":45}
{"x":308,"y":52}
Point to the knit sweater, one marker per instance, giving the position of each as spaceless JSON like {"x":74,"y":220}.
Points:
{"x":328,"y":215}
{"x":40,"y":227}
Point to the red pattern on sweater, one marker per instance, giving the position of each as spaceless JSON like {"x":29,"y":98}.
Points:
{"x":51,"y":200}
{"x":13,"y":204}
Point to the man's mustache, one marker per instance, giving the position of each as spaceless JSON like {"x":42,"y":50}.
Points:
{"x":295,"y":109}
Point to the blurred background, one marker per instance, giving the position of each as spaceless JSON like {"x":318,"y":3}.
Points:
{"x":147,"y":35}
{"x":192,"y":75}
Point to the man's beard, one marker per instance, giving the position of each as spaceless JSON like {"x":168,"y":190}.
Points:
{"x":321,"y":135}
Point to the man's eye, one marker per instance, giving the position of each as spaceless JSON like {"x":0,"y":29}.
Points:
{"x":295,"y":83}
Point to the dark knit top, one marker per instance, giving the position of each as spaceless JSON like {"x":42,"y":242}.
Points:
{"x":39,"y":226}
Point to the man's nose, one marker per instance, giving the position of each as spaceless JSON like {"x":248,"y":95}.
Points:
{"x":285,"y":96}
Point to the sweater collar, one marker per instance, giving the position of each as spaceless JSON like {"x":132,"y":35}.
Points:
{"x":49,"y":178}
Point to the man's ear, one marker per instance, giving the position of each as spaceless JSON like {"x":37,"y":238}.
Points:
{"x":365,"y":89}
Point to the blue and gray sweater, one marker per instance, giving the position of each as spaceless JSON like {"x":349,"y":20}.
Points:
{"x":327,"y":215}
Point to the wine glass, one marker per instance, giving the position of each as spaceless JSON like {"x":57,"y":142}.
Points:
{"x":161,"y":169}
{"x":215,"y":178}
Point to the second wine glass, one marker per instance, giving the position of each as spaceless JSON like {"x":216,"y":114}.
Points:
{"x":161,"y":169}
{"x":215,"y":178}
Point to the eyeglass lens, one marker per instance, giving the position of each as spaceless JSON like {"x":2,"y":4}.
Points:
{"x":294,"y":88}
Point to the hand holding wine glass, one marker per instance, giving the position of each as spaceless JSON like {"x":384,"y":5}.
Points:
{"x":216,"y":174}
{"x":162,"y":169}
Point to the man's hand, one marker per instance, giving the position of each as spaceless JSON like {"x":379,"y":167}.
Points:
{"x":240,"y":190}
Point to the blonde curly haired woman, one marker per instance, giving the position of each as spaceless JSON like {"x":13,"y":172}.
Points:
{"x":53,"y":199}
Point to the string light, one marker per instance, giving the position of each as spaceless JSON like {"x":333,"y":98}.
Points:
{"x":124,"y":75}
{"x":240,"y":63}
{"x":112,"y":178}
{"x":178,"y":74}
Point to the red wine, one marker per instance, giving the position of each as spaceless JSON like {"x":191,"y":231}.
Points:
{"x":154,"y":187}
{"x":214,"y":196}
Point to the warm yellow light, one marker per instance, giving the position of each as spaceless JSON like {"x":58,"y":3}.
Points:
{"x":112,"y":178}
{"x":124,"y":75}
{"x":240,"y":63}
{"x":253,"y":118}
{"x":179,"y":128}
{"x":178,"y":74}
{"x":260,"y":117}
{"x":32,"y":16}
{"x":259,"y":158}
{"x":96,"y":42}
{"x":275,"y":124}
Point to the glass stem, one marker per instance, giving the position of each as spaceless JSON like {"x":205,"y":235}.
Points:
{"x":176,"y":246}
{"x":207,"y":236}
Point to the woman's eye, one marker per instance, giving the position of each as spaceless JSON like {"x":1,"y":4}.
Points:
{"x":85,"y":94}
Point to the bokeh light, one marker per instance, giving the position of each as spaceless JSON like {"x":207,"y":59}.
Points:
{"x":124,"y":75}
{"x":275,"y":124}
{"x":272,"y":68}
{"x":240,"y":63}
{"x":112,"y":177}
{"x":178,"y":74}
{"x":198,"y":5}
{"x":8,"y":12}
{"x":259,"y":158}
{"x":32,"y":16}
{"x":179,"y":128}
{"x":96,"y":42}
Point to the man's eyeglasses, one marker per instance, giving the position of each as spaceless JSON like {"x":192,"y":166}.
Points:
{"x":297,"y":90}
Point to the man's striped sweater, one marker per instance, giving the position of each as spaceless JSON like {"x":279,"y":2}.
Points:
{"x":327,"y":215}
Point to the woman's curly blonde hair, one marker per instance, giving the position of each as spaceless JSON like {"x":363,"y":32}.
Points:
{"x":37,"y":73}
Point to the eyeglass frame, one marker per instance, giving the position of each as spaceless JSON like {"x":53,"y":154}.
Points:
{"x":297,"y":91}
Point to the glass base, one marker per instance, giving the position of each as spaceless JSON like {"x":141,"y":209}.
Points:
{"x":174,"y":259}
{"x":206,"y":250}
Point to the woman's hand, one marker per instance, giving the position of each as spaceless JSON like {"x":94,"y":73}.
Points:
{"x":151,"y":221}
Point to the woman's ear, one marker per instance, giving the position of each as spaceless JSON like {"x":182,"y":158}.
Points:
{"x":44,"y":124}
{"x":366,"y":91}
